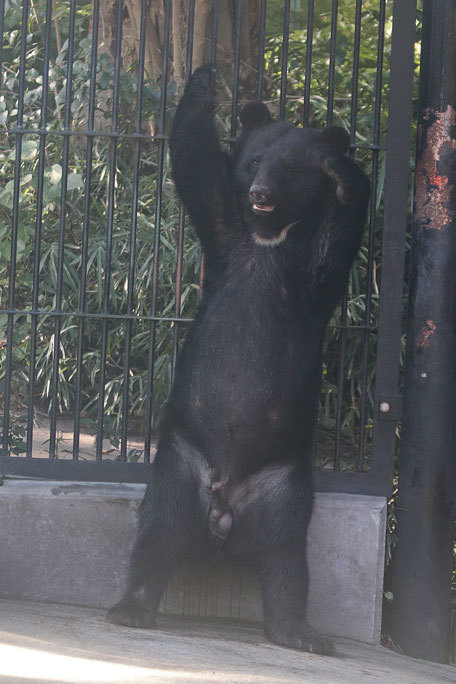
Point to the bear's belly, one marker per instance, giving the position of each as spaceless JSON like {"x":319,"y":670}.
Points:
{"x":249,"y":377}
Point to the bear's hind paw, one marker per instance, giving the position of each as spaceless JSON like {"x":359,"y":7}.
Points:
{"x":131,"y":613}
{"x":302,"y":638}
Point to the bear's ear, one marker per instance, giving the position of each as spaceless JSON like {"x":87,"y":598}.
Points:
{"x":337,"y":138}
{"x":253,"y":115}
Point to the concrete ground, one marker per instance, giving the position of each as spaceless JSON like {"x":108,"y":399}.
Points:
{"x":48,"y":643}
{"x":64,"y":440}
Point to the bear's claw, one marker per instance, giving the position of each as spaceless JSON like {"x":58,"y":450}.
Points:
{"x":302,"y":638}
{"x":131,"y":613}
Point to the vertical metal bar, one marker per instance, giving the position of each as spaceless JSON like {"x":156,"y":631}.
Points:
{"x":394,"y":230}
{"x":158,"y":213}
{"x":343,"y":331}
{"x":309,"y":39}
{"x":190,"y":29}
{"x":355,"y":74}
{"x":2,"y":23}
{"x":215,"y":11}
{"x":62,"y":221}
{"x":315,"y":445}
{"x":284,"y":62}
{"x":332,"y":61}
{"x":133,"y":227}
{"x":14,"y":229}
{"x":340,"y":383}
{"x":215,"y":14}
{"x":85,"y":227}
{"x":237,"y":59}
{"x":38,"y":224}
{"x":261,"y":45}
{"x":181,"y":228}
{"x":371,"y":237}
{"x":178,"y":295}
{"x":109,"y":229}
{"x":423,"y":560}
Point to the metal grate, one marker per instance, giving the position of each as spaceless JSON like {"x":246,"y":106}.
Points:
{"x":102,"y":273}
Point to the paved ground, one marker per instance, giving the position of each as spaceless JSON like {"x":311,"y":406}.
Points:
{"x":46,"y":644}
{"x":64,"y":440}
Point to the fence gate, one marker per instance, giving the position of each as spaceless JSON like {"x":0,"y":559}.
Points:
{"x":99,"y":272}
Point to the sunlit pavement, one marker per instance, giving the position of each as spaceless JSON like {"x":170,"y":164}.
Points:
{"x":46,"y":643}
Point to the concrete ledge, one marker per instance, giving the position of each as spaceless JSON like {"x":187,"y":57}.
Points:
{"x":68,"y":542}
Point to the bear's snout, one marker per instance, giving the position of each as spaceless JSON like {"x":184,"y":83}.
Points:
{"x":260,"y":194}
{"x":261,"y":199}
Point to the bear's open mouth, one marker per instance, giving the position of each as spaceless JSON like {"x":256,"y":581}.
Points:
{"x":263,"y":208}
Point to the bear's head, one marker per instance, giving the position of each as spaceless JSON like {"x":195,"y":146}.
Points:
{"x":278,"y":173}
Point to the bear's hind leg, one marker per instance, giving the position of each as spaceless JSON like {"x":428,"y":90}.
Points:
{"x":152,"y":564}
{"x":283,"y":579}
{"x":172,"y":526}
{"x":272,"y":510}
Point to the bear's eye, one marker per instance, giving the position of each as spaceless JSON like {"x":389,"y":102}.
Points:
{"x":290,"y":170}
{"x":254,"y":164}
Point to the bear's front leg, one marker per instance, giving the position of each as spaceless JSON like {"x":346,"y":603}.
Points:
{"x":350,"y":185}
{"x":202,"y":83}
{"x":339,"y":236}
{"x":201,"y":170}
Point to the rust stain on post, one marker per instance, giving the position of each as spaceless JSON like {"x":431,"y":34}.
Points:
{"x":435,"y":172}
{"x":424,"y":339}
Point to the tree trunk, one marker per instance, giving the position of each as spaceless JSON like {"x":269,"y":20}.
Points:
{"x":202,"y":38}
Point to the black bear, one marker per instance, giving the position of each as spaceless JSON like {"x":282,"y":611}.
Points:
{"x":280,"y":222}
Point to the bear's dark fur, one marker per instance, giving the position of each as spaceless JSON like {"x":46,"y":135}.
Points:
{"x":280,"y":222}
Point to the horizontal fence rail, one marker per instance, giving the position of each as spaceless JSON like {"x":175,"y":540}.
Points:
{"x":100,"y":272}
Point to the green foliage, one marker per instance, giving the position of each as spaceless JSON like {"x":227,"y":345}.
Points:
{"x":17,"y":435}
{"x":120,"y":173}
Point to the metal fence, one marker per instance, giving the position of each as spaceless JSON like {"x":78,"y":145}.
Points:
{"x":100,"y":273}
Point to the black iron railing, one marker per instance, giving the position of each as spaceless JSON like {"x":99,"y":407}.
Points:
{"x":43,"y":319}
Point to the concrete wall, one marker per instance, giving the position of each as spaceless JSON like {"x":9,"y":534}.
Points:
{"x":70,"y":543}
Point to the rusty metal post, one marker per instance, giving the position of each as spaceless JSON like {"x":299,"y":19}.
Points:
{"x":427,"y":471}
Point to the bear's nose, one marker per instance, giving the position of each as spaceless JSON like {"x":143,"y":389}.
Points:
{"x":260,"y":194}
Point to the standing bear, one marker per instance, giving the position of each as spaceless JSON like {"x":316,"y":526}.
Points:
{"x":280,"y":222}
